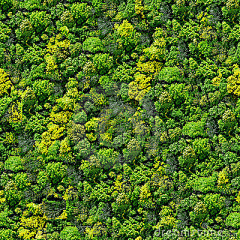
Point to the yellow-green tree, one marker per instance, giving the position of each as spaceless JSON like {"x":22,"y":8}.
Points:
{"x":5,"y":83}
{"x":233,"y":82}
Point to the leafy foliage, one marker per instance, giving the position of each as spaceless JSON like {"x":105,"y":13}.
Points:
{"x":118,"y":119}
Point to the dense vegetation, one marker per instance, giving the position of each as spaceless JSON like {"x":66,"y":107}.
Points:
{"x":119,"y":118}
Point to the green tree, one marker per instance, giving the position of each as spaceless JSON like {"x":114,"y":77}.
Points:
{"x":102,"y":62}
{"x":205,"y":184}
{"x":7,"y":234}
{"x":108,"y":157}
{"x":25,"y":31}
{"x":214,"y":203}
{"x":170,"y":75}
{"x":56,"y":171}
{"x":232,"y":220}
{"x":177,"y":93}
{"x":194,"y":129}
{"x":6,"y":4}
{"x":92,"y":44}
{"x":188,"y":158}
{"x":67,"y":19}
{"x":39,"y":20}
{"x":43,"y":89}
{"x":228,"y":121}
{"x":14,"y":163}
{"x":165,"y":102}
{"x":83,"y":148}
{"x":126,"y":35}
{"x":80,"y":12}
{"x":202,"y":147}
{"x":199,"y":212}
{"x":133,"y":149}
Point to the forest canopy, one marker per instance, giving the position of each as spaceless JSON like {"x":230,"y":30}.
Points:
{"x":119,"y":119}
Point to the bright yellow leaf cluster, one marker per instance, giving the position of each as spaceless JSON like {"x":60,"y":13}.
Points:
{"x":157,"y":49}
{"x":139,"y":87}
{"x":55,"y":45}
{"x":5,"y":82}
{"x":30,"y":226}
{"x":15,"y":112}
{"x":126,"y":29}
{"x":216,"y":81}
{"x":145,"y":193}
{"x":51,"y":63}
{"x":139,"y":8}
{"x":233,"y":82}
{"x":53,"y":133}
{"x":149,"y":67}
{"x":238,"y":197}
{"x":61,"y":117}
{"x":222,"y":178}
{"x":65,"y":146}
